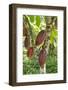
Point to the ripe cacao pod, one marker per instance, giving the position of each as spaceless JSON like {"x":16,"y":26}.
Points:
{"x":30,"y":52}
{"x":40,"y":37}
{"x":27,"y":42}
{"x":42,"y":58}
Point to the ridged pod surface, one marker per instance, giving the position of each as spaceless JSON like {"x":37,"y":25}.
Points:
{"x":40,"y":37}
{"x":30,"y":52}
{"x":42,"y":58}
{"x":27,"y":42}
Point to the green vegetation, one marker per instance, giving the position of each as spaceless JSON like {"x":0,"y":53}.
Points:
{"x":34,"y":25}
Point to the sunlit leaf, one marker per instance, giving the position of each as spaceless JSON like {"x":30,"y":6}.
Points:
{"x":31,"y":18}
{"x":38,"y":20}
{"x":53,"y":36}
{"x":55,"y":44}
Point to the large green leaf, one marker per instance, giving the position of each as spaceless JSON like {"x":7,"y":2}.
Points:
{"x":53,"y":37}
{"x":31,"y":18}
{"x":38,"y":20}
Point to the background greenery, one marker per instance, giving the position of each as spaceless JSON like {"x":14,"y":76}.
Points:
{"x":36,"y":23}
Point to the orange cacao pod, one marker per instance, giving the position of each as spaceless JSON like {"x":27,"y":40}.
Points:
{"x":40,"y":37}
{"x":30,"y":52}
{"x":42,"y":57}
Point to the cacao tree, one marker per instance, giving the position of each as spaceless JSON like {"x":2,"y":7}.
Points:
{"x":40,"y":35}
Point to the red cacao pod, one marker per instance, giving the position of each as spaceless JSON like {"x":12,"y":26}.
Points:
{"x":42,"y":57}
{"x":30,"y":52}
{"x":40,"y":37}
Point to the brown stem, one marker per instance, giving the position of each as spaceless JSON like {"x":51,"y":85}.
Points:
{"x":47,"y":42}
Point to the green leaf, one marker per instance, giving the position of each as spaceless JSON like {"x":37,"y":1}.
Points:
{"x":38,"y":20}
{"x":55,"y":33}
{"x":55,"y":44}
{"x":51,"y":39}
{"x":53,"y":36}
{"x":31,"y":18}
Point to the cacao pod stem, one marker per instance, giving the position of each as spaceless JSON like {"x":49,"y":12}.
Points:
{"x":43,"y":70}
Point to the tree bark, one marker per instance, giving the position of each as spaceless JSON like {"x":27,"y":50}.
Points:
{"x":43,"y":70}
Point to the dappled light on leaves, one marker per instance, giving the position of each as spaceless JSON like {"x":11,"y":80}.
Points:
{"x":40,"y":44}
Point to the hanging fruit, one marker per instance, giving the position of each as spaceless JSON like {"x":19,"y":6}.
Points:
{"x":25,"y":29}
{"x":42,"y":58}
{"x":27,"y":42}
{"x":30,"y":52}
{"x":40,"y":37}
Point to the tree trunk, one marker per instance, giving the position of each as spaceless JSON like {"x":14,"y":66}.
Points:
{"x":43,"y":70}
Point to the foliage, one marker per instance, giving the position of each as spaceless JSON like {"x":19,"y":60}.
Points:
{"x":32,"y":66}
{"x":35,"y":25}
